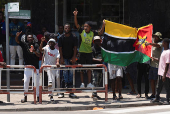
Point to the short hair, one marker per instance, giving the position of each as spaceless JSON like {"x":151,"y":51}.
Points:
{"x":29,"y":33}
{"x":166,"y":40}
{"x":53,"y":35}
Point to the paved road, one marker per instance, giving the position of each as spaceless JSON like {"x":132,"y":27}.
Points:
{"x":163,"y":109}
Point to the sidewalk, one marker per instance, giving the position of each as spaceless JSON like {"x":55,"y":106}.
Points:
{"x":83,"y":102}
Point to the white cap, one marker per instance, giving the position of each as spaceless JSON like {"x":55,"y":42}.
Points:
{"x":97,"y":38}
{"x":52,"y":40}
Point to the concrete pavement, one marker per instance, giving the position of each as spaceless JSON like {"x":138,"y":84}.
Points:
{"x":83,"y":102}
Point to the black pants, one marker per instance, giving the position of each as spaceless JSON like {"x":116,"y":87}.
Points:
{"x":160,"y":86}
{"x":143,"y":70}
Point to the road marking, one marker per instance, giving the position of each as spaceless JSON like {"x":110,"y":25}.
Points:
{"x":120,"y":111}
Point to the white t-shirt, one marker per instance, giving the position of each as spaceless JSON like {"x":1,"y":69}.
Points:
{"x":50,"y":56}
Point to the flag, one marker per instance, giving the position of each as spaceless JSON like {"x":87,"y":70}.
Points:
{"x":144,"y":36}
{"x":118,"y":45}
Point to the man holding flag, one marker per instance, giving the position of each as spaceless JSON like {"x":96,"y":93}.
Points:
{"x":156,"y":53}
{"x":126,"y":46}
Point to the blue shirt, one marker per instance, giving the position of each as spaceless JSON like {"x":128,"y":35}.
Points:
{"x":58,"y":36}
{"x":3,"y":29}
{"x":13,"y":29}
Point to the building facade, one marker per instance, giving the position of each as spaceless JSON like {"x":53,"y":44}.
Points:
{"x":135,"y":13}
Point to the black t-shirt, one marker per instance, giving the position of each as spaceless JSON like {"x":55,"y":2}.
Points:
{"x":96,"y":54}
{"x":67,"y":44}
{"x":2,"y":36}
{"x":29,"y":57}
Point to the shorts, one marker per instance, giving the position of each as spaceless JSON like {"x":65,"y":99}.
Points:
{"x":153,"y":73}
{"x":86,"y":58}
{"x":115,"y":71}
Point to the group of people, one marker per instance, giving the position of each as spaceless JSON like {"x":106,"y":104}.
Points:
{"x":62,"y":49}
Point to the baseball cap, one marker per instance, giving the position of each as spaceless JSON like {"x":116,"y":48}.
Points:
{"x":158,"y":34}
{"x":96,"y":38}
{"x":29,"y":24}
{"x":52,"y":40}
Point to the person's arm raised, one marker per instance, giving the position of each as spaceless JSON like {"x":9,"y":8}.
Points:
{"x":75,"y":18}
{"x":102,"y":29}
{"x":41,"y":44}
{"x":17,"y":35}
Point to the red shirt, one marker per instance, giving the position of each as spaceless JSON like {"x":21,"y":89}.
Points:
{"x":1,"y":58}
{"x":39,"y":36}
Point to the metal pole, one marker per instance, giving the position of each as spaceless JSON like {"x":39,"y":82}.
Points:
{"x":74,"y":78}
{"x":64,"y":11}
{"x":123,"y":11}
{"x":56,"y":16}
{"x":7,"y":49}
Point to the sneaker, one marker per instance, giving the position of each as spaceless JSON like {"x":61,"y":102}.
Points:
{"x":90,"y":85}
{"x":166,"y":103}
{"x":24,"y":100}
{"x":151,"y":97}
{"x":146,"y":97}
{"x":82,"y":85}
{"x":93,"y":96}
{"x":138,"y":96}
{"x":120,"y":97}
{"x":51,"y":98}
{"x":154,"y":101}
{"x":71,"y":95}
{"x":115,"y":97}
{"x":60,"y":95}
{"x":49,"y":84}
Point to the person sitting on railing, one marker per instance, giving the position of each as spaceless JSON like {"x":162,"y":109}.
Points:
{"x":31,"y":57}
{"x":50,"y":56}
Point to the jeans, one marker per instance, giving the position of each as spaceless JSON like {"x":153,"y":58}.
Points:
{"x":97,"y":77}
{"x":13,"y":50}
{"x":68,"y":74}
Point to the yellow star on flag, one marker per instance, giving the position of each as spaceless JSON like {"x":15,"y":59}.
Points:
{"x":142,"y":41}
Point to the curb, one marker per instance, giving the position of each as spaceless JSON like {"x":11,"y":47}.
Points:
{"x":79,"y":107}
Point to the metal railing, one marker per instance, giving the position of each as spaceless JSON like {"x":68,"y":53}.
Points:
{"x":9,"y":91}
{"x":74,"y":90}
